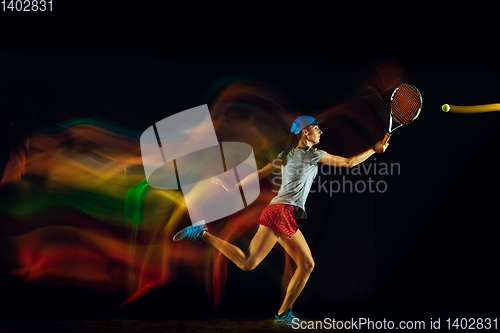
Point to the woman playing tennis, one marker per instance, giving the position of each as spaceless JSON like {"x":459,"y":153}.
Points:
{"x":277,"y":222}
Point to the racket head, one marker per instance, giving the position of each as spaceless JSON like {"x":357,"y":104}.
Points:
{"x":406,"y":104}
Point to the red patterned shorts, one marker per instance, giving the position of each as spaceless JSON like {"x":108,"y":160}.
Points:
{"x":279,"y":217}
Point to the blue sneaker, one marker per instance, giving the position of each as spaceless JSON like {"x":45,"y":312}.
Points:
{"x":192,"y":233}
{"x":287,"y":318}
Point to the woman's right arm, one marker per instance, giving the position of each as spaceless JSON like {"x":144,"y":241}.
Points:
{"x":270,"y":167}
{"x":261,"y":173}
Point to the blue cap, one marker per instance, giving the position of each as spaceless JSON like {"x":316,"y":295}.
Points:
{"x":303,"y":121}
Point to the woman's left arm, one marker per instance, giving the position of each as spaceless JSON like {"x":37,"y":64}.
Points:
{"x":340,"y":161}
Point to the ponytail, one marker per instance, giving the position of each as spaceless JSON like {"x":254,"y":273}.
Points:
{"x":292,"y":143}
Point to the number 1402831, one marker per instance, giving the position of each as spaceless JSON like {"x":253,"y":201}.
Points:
{"x":26,"y":5}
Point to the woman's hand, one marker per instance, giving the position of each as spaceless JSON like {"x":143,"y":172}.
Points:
{"x":218,"y":181}
{"x":379,"y":147}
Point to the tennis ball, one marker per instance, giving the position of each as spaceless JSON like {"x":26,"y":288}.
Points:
{"x":445,"y":107}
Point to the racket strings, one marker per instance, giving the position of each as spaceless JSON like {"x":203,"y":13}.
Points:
{"x":405,"y":104}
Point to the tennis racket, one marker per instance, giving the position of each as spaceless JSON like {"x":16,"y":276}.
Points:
{"x":406,"y":103}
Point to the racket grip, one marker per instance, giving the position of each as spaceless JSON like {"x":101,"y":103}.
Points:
{"x":386,"y":138}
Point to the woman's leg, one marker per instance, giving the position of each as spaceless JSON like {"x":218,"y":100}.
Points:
{"x":296,"y":246}
{"x":260,"y":246}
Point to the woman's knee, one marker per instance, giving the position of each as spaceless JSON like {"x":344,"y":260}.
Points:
{"x":248,"y":266}
{"x":308,"y":265}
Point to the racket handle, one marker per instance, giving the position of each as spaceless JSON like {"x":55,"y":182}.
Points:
{"x":386,"y":138}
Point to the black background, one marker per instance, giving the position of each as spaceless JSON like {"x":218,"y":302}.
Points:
{"x":434,"y":232}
